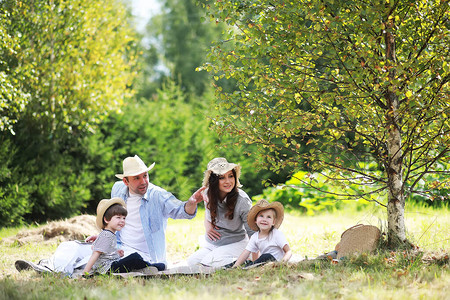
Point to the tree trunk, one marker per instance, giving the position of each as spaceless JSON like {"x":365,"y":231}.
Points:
{"x":396,"y":197}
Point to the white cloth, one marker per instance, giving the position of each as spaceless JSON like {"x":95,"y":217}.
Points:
{"x":131,"y":234}
{"x":272,"y":244}
{"x":69,"y":256}
{"x":217,"y":256}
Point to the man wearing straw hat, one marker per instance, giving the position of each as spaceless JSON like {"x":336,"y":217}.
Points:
{"x":149,"y":207}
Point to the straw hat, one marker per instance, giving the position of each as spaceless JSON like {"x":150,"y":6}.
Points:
{"x":263,"y":205}
{"x":357,"y":239}
{"x":133,"y":166}
{"x":103,"y":205}
{"x":220,"y":166}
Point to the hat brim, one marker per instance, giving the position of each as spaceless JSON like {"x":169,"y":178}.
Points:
{"x":122,"y":176}
{"x":277,"y":206}
{"x":101,"y":212}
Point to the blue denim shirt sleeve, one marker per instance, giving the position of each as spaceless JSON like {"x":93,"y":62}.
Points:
{"x":156,"y":207}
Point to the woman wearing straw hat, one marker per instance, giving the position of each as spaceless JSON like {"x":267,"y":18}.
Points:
{"x":268,"y":241}
{"x":226,"y":212}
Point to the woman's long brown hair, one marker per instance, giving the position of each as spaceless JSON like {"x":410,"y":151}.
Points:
{"x":214,"y":198}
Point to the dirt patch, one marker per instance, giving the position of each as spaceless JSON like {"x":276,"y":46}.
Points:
{"x":76,"y":228}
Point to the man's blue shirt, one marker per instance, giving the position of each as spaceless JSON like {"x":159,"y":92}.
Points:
{"x":157,"y":205}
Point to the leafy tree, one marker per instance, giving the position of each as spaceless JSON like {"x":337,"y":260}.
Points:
{"x":67,"y":64}
{"x":77,"y":58}
{"x":12,"y":99}
{"x":357,"y":81}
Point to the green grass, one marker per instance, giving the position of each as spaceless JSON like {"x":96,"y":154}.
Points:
{"x":387,"y":275}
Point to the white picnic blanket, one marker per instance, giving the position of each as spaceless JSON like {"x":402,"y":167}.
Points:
{"x":70,"y":257}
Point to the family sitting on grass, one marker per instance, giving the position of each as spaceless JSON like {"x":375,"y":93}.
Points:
{"x":233,"y":228}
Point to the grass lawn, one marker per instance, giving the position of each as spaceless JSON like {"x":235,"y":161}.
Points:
{"x":387,"y":275}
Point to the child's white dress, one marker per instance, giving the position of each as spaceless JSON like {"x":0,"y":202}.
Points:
{"x":272,"y":244}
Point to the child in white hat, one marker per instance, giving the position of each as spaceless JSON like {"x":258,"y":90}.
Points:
{"x":105,"y":257}
{"x":265,"y":218}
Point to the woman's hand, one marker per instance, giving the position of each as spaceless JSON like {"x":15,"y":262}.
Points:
{"x":211,"y":232}
{"x":120,"y":252}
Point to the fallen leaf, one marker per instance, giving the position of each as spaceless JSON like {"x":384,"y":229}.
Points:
{"x":307,"y":276}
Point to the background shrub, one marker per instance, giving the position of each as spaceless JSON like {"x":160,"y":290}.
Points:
{"x":14,"y":191}
{"x":176,"y":135}
{"x":296,"y":195}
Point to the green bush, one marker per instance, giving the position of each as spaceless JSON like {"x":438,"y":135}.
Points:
{"x":295,"y":195}
{"x":166,"y":130}
{"x":326,"y":195}
{"x":57,"y":185}
{"x":61,"y":189}
{"x":14,"y":190}
{"x":42,"y":178}
{"x":437,"y":187}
